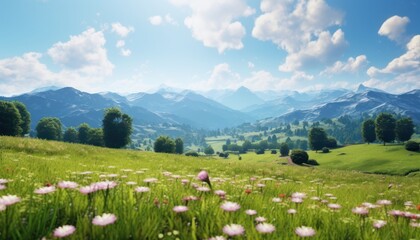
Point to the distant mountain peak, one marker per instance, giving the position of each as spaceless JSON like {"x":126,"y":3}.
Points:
{"x":363,"y":88}
{"x":47,"y":88}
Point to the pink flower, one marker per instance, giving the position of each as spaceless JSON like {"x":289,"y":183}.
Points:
{"x":180,"y":209}
{"x":105,"y":219}
{"x":88,"y":189}
{"x":265,"y":228}
{"x":105,"y":185}
{"x":260,"y":219}
{"x":360,"y":211}
{"x":220,"y":193}
{"x":3,"y":181}
{"x":305,"y":231}
{"x":185,"y":181}
{"x":64,"y":231}
{"x":233,"y":230}
{"x":142,"y":189}
{"x":67,"y":184}
{"x":203,"y":189}
{"x":334,"y":206}
{"x":230,"y":206}
{"x":369,"y":205}
{"x":45,"y":190}
{"x":9,"y":200}
{"x":250,"y":212}
{"x":297,"y":200}
{"x":396,"y":213}
{"x":384,"y":202}
{"x":2,"y":187}
{"x":379,"y":223}
{"x":204,"y":177}
{"x":299,"y":195}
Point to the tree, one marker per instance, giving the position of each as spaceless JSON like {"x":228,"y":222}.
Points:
{"x":179,"y":146}
{"x":284,"y":149}
{"x":368,"y":131}
{"x":412,"y":146}
{"x":263,"y":145}
{"x":96,"y":137}
{"x":83,"y":133}
{"x":299,"y":156}
{"x":117,"y":128}
{"x":404,"y":129}
{"x":331,"y":142}
{"x":246,"y":145}
{"x":209,"y":150}
{"x":317,"y":138}
{"x":25,"y":118}
{"x":9,"y":119}
{"x":164,"y":144}
{"x":385,"y":127}
{"x":274,"y":139}
{"x":70,"y":135}
{"x":228,"y":141}
{"x":49,"y":128}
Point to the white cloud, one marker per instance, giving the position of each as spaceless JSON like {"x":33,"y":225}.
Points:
{"x":120,"y":44}
{"x":215,"y":23}
{"x":251,"y":65}
{"x":121,"y":30}
{"x":394,"y":28}
{"x":84,"y":53}
{"x":125,"y":52}
{"x":299,"y":28}
{"x":351,"y":66}
{"x":322,"y":50}
{"x":156,"y":20}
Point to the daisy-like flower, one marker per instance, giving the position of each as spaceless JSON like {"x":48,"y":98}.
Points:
{"x":3,"y":181}
{"x":220,"y":193}
{"x":297,"y":200}
{"x":2,"y":187}
{"x":299,"y":195}
{"x":384,"y":202}
{"x":64,"y":231}
{"x":105,"y":219}
{"x":334,"y":206}
{"x":142,"y":189}
{"x":150,"y":180}
{"x":204,"y":177}
{"x":185,"y":181}
{"x":369,"y":205}
{"x":250,"y":212}
{"x":45,"y":190}
{"x":260,"y":219}
{"x":180,"y":209}
{"x":291,"y":211}
{"x":379,"y":224}
{"x":276,"y":200}
{"x":203,"y":189}
{"x":396,"y":213}
{"x":233,"y":230}
{"x":415,"y":224}
{"x":9,"y":200}
{"x":88,"y":189}
{"x":217,"y":238}
{"x":265,"y":228}
{"x":305,"y":231}
{"x":67,"y":184}
{"x":260,"y":185}
{"x":315,"y":198}
{"x":362,"y":211}
{"x":2,"y":207}
{"x":105,"y":185}
{"x":230,"y":206}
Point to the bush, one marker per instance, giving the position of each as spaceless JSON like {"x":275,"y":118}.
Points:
{"x":240,"y":158}
{"x":284,"y":149}
{"x":325,"y":150}
{"x":260,"y":151}
{"x":191,"y":154}
{"x":412,"y":146}
{"x":224,"y":155}
{"x":273,"y":151}
{"x":313,"y":162}
{"x":299,"y":156}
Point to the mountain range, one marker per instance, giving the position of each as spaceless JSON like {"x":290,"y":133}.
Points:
{"x":220,"y":109}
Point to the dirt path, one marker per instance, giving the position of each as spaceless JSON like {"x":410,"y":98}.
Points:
{"x":289,"y":160}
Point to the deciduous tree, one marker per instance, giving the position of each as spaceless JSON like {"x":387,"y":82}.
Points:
{"x":117,"y":128}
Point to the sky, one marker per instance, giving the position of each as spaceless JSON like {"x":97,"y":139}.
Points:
{"x":129,"y":46}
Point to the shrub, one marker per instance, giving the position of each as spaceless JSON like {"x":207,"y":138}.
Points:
{"x":191,"y":154}
{"x":273,"y":151}
{"x":299,"y":156}
{"x":240,"y":158}
{"x":325,"y":150}
{"x":412,"y":146}
{"x":313,"y":162}
{"x":284,"y":149}
{"x":260,"y":151}
{"x":224,"y":155}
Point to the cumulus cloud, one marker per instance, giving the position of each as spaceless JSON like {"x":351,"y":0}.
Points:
{"x":299,"y":28}
{"x":351,"y":66}
{"x":160,"y":20}
{"x":401,"y":73}
{"x":155,"y":20}
{"x":121,"y":30}
{"x":215,"y":23}
{"x":394,"y":28}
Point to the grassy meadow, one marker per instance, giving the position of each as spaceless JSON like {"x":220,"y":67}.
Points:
{"x":336,"y":204}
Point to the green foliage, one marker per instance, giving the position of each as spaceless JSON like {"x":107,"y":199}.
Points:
{"x":83,"y":133}
{"x":117,"y":128}
{"x":273,"y":151}
{"x":179,"y":146}
{"x":325,"y":150}
{"x":299,"y":156}
{"x":96,"y":137}
{"x":313,"y":162}
{"x":404,"y":129}
{"x":412,"y":146}
{"x":164,"y":144}
{"x":191,"y":154}
{"x":385,"y":127}
{"x":260,"y":151}
{"x":263,"y":145}
{"x":246,"y":146}
{"x":317,"y":138}
{"x":331,"y":143}
{"x":10,"y":119}
{"x":284,"y":149}
{"x":368,"y":131}
{"x":49,"y":128}
{"x":224,"y":155}
{"x":71,"y":135}
{"x":209,"y":150}
{"x":25,"y":118}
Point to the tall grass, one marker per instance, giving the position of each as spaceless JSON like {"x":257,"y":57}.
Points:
{"x":31,"y":164}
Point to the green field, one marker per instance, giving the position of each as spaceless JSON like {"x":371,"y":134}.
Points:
{"x":257,"y":182}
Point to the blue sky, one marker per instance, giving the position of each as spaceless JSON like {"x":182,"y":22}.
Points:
{"x":135,"y":45}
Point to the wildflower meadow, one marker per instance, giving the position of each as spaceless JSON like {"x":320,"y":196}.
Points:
{"x":52,"y":190}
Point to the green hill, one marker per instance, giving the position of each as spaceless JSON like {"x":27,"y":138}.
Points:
{"x":372,"y":158}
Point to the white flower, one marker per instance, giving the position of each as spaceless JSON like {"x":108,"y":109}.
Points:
{"x":265,"y":228}
{"x":105,"y":219}
{"x":64,"y":231}
{"x":305,"y":231}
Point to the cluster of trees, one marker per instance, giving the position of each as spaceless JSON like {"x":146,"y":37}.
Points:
{"x":386,"y":129}
{"x":318,"y":139}
{"x":15,"y":119}
{"x":165,"y":144}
